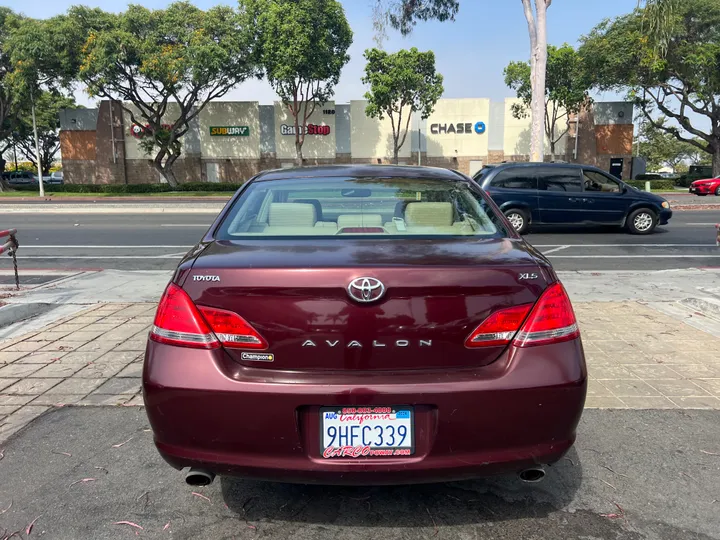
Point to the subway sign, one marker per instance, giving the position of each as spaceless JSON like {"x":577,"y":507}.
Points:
{"x":461,"y":128}
{"x":229,"y":131}
{"x":312,"y":129}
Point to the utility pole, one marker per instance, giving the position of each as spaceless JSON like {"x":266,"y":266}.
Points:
{"x":37,"y":148}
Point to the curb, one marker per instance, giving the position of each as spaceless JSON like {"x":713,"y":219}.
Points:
{"x":707,"y":307}
{"x":13,"y":313}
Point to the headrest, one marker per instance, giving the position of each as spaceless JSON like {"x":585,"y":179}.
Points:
{"x":291,"y":215}
{"x":429,"y":214}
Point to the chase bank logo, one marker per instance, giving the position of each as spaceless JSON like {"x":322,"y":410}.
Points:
{"x":460,"y":128}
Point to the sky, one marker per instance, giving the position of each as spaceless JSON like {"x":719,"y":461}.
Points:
{"x":471,"y":52}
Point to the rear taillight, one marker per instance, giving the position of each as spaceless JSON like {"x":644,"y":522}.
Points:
{"x":232,"y":330}
{"x":499,"y":328}
{"x":178,"y":322}
{"x":552,"y":320}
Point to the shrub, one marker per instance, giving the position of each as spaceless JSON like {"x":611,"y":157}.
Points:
{"x":666,"y":185}
{"x":687,"y":179}
{"x":134,"y":188}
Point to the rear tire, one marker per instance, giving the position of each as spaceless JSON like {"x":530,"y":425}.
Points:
{"x":642,"y":221}
{"x":519,"y":219}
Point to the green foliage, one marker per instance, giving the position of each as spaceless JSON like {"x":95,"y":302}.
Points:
{"x":151,"y":58}
{"x":403,"y":15}
{"x":302,"y":45}
{"x":655,"y":185}
{"x":660,"y":148}
{"x":622,"y":54}
{"x":138,"y":188}
{"x":401,"y":83}
{"x":47,"y":113}
{"x":567,"y":89}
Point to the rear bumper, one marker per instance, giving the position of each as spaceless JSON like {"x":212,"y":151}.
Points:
{"x":207,"y":411}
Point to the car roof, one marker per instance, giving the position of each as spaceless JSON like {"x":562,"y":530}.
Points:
{"x":362,"y":171}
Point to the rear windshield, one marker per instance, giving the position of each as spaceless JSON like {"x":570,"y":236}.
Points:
{"x":334,"y":207}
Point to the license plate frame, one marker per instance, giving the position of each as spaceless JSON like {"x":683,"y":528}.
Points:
{"x":373,"y":452}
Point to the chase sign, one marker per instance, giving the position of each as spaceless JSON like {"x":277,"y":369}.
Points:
{"x":460,"y":128}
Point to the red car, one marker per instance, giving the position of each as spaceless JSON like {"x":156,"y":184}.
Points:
{"x":363,"y":325}
{"x":706,"y":187}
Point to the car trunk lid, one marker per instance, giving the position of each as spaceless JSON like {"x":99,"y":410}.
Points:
{"x":295,"y":294}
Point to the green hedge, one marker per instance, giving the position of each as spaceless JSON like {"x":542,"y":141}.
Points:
{"x":686,"y":180}
{"x":134,"y":188}
{"x":668,"y":185}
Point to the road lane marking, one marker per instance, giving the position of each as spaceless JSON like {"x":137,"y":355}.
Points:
{"x":635,"y":256}
{"x":621,"y":245}
{"x":80,"y":246}
{"x":98,"y":257}
{"x":186,"y":225}
{"x":555,"y":249}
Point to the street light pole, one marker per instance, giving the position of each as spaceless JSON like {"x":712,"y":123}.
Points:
{"x":37,"y":148}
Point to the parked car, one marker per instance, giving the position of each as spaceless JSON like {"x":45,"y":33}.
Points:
{"x":571,"y":194}
{"x":55,"y":178}
{"x":706,"y":187}
{"x":20,"y":178}
{"x":363,"y":325}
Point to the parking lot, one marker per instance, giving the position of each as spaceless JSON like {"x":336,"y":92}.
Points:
{"x":632,"y":475}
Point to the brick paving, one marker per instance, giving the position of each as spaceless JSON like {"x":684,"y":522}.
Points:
{"x":638,"y":358}
{"x":92,"y":358}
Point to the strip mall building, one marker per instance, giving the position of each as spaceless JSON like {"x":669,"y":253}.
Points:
{"x":231,"y":141}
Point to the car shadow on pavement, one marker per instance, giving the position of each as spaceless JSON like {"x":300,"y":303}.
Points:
{"x":493,"y":499}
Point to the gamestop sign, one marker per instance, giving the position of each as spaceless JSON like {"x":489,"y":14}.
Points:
{"x":312,"y":129}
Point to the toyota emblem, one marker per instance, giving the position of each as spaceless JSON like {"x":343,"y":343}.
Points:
{"x":366,"y":289}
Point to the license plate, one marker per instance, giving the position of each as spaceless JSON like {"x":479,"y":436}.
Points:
{"x":355,"y":432}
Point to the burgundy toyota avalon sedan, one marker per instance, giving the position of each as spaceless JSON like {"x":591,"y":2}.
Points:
{"x":363,"y":325}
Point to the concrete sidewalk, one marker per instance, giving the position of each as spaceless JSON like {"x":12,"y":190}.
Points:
{"x":638,"y":358}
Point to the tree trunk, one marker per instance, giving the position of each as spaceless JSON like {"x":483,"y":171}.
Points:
{"x":538,"y":76}
{"x":165,"y":170}
{"x":716,"y":160}
{"x":396,"y":154}
{"x":552,"y":150}
{"x":298,"y":152}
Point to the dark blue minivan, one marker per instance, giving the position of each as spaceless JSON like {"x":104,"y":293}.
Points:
{"x":570,"y":194}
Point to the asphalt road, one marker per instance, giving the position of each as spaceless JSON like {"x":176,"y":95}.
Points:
{"x":632,"y":475}
{"x":137,"y":241}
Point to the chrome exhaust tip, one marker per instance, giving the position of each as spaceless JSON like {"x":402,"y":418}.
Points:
{"x":533,"y":475}
{"x":199,"y":477}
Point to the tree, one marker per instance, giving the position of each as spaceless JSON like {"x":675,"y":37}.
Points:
{"x":661,"y":149}
{"x":565,"y":93}
{"x":48,"y":106}
{"x":658,"y":14}
{"x":44,"y":56}
{"x":8,"y":21}
{"x":401,"y":83}
{"x":303,"y":47}
{"x":404,"y":14}
{"x":621,"y":54}
{"x":151,"y":59}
